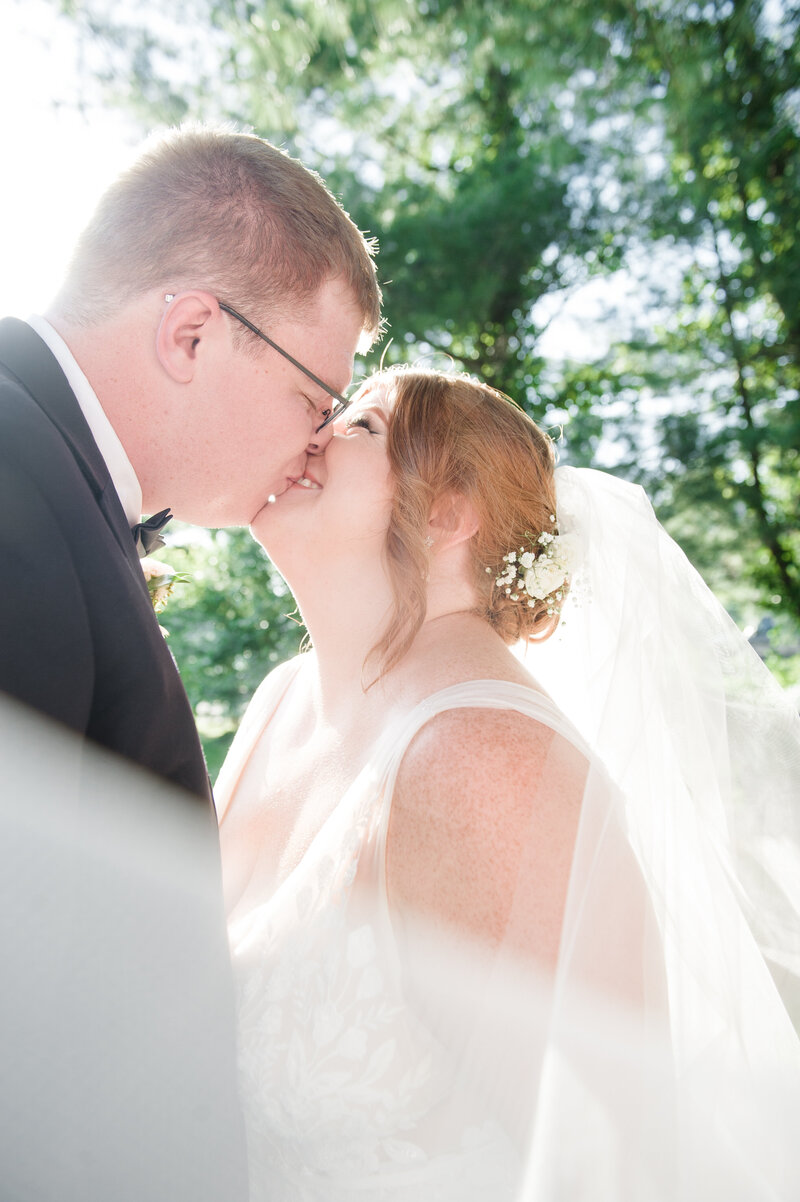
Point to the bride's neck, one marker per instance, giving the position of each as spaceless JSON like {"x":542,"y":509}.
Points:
{"x":346,"y":624}
{"x":343,"y":634}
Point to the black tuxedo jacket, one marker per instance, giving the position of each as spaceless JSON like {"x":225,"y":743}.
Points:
{"x":116,"y":1011}
{"x":78,"y":637}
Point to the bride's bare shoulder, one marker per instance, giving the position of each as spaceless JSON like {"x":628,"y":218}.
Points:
{"x":482,"y":794}
{"x":471,"y":738}
{"x":482,"y":754}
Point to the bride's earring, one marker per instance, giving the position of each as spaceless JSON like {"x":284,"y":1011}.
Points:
{"x":429,"y":541}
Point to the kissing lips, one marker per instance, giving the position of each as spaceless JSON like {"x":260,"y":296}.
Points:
{"x":306,"y":482}
{"x":300,"y":481}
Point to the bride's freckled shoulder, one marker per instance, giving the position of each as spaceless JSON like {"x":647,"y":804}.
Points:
{"x":476,"y":791}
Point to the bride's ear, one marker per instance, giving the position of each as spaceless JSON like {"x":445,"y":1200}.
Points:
{"x":453,"y":520}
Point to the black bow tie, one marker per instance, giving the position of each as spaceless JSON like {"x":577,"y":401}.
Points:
{"x":147,"y":536}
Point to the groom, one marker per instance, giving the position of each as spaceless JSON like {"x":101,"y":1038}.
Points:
{"x":124,"y":401}
{"x":145,"y":389}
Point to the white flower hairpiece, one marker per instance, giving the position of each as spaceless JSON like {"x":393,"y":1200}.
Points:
{"x":540,"y":573}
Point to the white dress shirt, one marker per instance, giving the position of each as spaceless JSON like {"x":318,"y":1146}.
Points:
{"x":120,"y":468}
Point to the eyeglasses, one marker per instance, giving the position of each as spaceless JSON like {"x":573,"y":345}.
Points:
{"x":342,"y":403}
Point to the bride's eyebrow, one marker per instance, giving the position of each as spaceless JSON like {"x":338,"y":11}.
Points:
{"x":373,"y":410}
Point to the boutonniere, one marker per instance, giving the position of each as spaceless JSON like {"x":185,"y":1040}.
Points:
{"x":161,"y":580}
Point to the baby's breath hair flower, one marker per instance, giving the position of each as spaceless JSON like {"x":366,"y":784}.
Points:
{"x":539,"y":573}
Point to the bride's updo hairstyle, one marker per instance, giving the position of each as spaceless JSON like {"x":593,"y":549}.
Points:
{"x":451,"y":434}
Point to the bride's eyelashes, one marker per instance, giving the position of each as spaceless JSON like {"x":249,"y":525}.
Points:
{"x":362,"y":421}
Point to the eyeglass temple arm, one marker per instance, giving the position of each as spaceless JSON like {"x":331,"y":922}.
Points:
{"x":305,"y":370}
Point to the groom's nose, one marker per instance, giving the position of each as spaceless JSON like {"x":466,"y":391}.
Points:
{"x":319,"y":441}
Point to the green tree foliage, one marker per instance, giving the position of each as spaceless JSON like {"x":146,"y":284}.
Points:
{"x":731,"y":112}
{"x":227,"y":627}
{"x":505,"y":154}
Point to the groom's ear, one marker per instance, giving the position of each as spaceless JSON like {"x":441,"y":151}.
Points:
{"x":189,"y":319}
{"x":453,"y":520}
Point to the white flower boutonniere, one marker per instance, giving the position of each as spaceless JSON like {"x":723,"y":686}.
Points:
{"x":161,"y":580}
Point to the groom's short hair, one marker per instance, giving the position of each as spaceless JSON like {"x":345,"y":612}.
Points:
{"x":224,"y":211}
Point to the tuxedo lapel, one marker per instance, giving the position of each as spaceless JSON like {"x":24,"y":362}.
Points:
{"x":31,"y":361}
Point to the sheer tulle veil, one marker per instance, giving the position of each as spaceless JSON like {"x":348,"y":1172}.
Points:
{"x":117,"y":1031}
{"x":660,"y":1062}
{"x":695,"y":1076}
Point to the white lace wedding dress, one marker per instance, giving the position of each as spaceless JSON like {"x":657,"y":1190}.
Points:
{"x":353,"y":1083}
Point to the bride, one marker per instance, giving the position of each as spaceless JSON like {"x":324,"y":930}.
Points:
{"x":506,"y":926}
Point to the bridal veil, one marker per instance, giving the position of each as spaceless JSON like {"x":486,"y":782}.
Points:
{"x":660,"y":1063}
{"x":662,"y":1060}
{"x":692,"y":1088}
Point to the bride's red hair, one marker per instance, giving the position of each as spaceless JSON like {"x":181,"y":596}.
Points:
{"x":452,"y":434}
